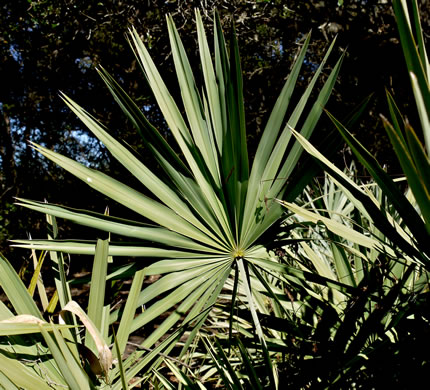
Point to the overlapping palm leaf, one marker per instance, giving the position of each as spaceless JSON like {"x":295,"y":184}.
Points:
{"x":35,"y":352}
{"x":379,"y":243}
{"x":410,"y":233}
{"x":334,"y":236}
{"x":209,"y":209}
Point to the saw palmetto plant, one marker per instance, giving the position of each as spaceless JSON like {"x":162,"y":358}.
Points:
{"x":352,"y":325}
{"x":201,"y":222}
{"x":251,"y":290}
{"x":376,"y":239}
{"x":401,"y":217}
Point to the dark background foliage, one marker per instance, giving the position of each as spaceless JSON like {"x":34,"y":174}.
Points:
{"x":52,"y":45}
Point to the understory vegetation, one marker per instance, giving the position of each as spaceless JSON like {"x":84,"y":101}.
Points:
{"x":266,"y":270}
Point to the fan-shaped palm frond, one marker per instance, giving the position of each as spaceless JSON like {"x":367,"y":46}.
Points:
{"x":212,"y":210}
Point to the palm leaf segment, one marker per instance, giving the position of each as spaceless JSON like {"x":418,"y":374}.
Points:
{"x":212,"y":209}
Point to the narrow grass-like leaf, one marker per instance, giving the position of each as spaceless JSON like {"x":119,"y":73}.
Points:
{"x":128,"y":197}
{"x":307,"y":128}
{"x":268,"y":138}
{"x":6,"y":383}
{"x":76,"y":370}
{"x":421,"y":160}
{"x":164,"y":99}
{"x":191,"y":190}
{"x":100,"y":222}
{"x":272,"y":176}
{"x":5,"y":313}
{"x":419,"y":36}
{"x":179,"y":375}
{"x":15,"y":290}
{"x":413,"y":59}
{"x":396,"y":197}
{"x":222,"y":69}
{"x":151,"y":136}
{"x":270,"y":291}
{"x":292,"y":273}
{"x":120,"y":366}
{"x":336,"y":227}
{"x":422,"y":109}
{"x":310,"y":168}
{"x":240,"y":147}
{"x":295,"y":153}
{"x":97,"y":290}
{"x":67,"y":368}
{"x":164,"y":381}
{"x":36,"y":279}
{"x":256,"y":321}
{"x":167,"y":266}
{"x":202,"y":309}
{"x":124,"y":328}
{"x":53,"y":303}
{"x":342,"y":265}
{"x":25,"y":324}
{"x":139,"y":360}
{"x":84,"y":248}
{"x":418,"y":187}
{"x":249,"y":366}
{"x":20,"y":375}
{"x":230,"y":379}
{"x":212,"y":87}
{"x":192,"y":102}
{"x":188,"y":293}
{"x":63,"y":290}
